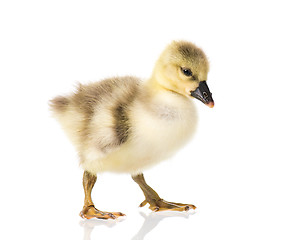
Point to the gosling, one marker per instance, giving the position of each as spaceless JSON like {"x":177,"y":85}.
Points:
{"x":126,"y":125}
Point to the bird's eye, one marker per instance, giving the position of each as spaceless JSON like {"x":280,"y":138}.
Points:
{"x":187,"y":72}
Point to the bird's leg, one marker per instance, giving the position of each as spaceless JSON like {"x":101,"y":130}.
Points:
{"x":156,"y":203}
{"x":89,"y":211}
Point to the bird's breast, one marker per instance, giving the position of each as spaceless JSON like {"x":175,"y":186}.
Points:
{"x":155,"y":134}
{"x":159,"y":133}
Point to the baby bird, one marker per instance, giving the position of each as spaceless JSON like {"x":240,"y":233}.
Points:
{"x":126,"y":125}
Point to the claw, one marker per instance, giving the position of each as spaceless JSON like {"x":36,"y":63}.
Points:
{"x":156,"y":209}
{"x":121,"y":214}
{"x":143,"y":203}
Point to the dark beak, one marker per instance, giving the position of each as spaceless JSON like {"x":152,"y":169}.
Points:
{"x":203,"y":94}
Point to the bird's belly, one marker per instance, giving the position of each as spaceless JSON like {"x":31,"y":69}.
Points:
{"x":151,"y":143}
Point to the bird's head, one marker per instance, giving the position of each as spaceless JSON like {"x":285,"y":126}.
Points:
{"x":183,"y":68}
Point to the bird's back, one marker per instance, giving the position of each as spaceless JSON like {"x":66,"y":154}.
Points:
{"x":94,"y":116}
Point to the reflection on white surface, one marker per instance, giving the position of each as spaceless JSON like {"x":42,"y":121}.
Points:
{"x":151,"y":221}
{"x":89,"y":225}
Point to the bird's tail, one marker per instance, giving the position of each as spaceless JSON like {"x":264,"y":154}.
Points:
{"x":59,"y":104}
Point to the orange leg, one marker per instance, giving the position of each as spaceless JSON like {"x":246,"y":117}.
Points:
{"x":89,"y":211}
{"x":155,"y":202}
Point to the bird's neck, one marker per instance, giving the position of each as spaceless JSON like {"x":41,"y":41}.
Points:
{"x":160,"y":95}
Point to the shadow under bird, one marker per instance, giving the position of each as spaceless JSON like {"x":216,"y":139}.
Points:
{"x":126,"y":125}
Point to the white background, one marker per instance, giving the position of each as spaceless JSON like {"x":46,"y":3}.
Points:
{"x":243,"y":168}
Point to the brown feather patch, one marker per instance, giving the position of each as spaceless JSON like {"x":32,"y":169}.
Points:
{"x":59,"y":103}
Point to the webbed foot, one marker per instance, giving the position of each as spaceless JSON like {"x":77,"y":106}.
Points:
{"x":89,"y":212}
{"x":162,"y":205}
